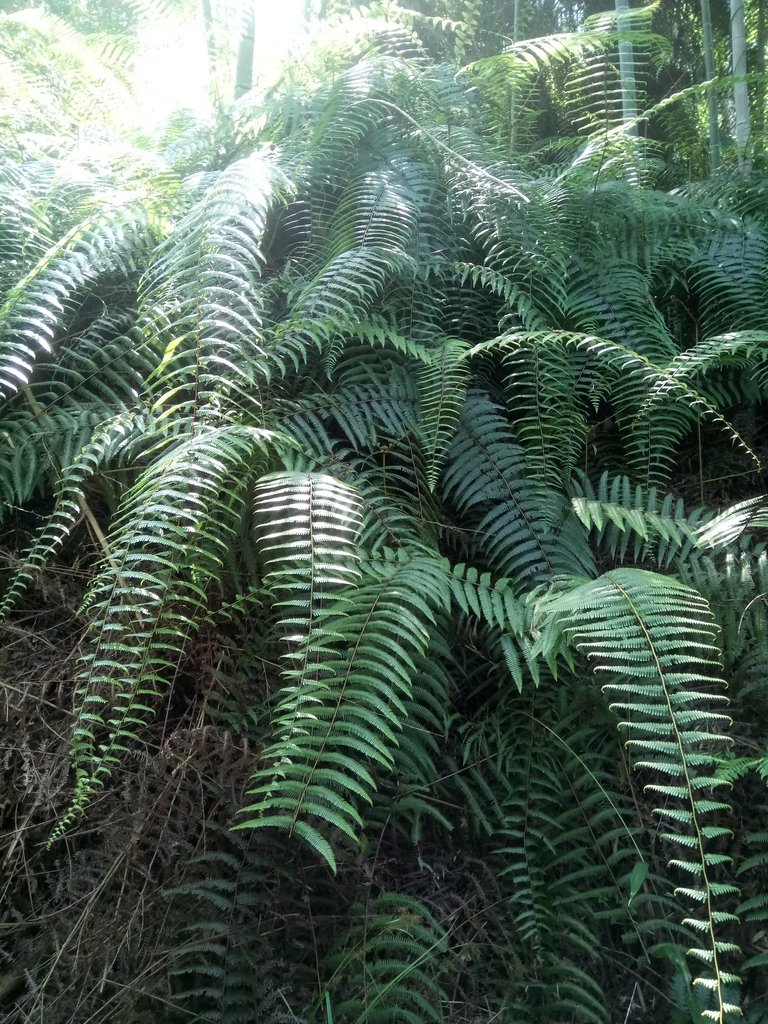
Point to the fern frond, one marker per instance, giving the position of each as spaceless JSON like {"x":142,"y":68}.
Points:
{"x":347,"y":700}
{"x":400,"y":511}
{"x":307,"y":529}
{"x":199,"y":300}
{"x":656,"y":638}
{"x":387,"y":967}
{"x":408,"y":799}
{"x":372,"y":400}
{"x":345,"y":291}
{"x":526,"y":531}
{"x":115,"y":242}
{"x":489,"y":600}
{"x":443,"y":385}
{"x":711,"y":354}
{"x":69,"y":494}
{"x":652,"y":439}
{"x":636,"y":522}
{"x":165,"y":547}
{"x":222,"y":963}
{"x":734,"y":522}
{"x":548,"y":393}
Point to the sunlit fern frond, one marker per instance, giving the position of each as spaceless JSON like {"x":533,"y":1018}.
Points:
{"x":200,"y":300}
{"x":724,"y":529}
{"x":110,"y":246}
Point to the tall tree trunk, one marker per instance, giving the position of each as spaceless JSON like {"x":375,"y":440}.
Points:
{"x":512,"y":89}
{"x":742,"y":125}
{"x":709,"y":65}
{"x":762,"y":42}
{"x":210,"y":49}
{"x":244,"y":71}
{"x":627,"y":69}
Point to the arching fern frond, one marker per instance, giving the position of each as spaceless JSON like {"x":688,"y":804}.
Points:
{"x":338,"y":719}
{"x":727,"y":275}
{"x":548,"y":393}
{"x":651,"y":439}
{"x":399,"y":509}
{"x":735,"y":521}
{"x":484,"y":460}
{"x":101,"y":443}
{"x":656,"y":640}
{"x":345,"y":291}
{"x":307,"y":526}
{"x":706,"y":357}
{"x":634,"y":522}
{"x":199,"y":301}
{"x":23,"y":234}
{"x":35,"y":443}
{"x":34,"y":313}
{"x":165,"y":547}
{"x":409,"y":799}
{"x":104,"y":367}
{"x":525,"y":531}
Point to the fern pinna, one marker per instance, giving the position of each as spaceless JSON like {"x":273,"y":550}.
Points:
{"x":381,"y":451}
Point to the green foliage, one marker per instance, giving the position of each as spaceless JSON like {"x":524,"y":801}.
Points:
{"x":166,"y":546}
{"x":54,"y":80}
{"x":372,"y":445}
{"x":347,"y":700}
{"x":389,"y":964}
{"x":630,"y":622}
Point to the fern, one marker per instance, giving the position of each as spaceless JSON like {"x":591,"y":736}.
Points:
{"x":443,"y":387}
{"x":344,"y":703}
{"x":69,"y":503}
{"x":652,"y":440}
{"x":221,"y":963}
{"x":211,"y":344}
{"x":151,"y":593}
{"x":635,"y":523}
{"x":390,"y":417}
{"x":31,"y":314}
{"x":386,"y":968}
{"x":671,"y":727}
{"x":731,"y":524}
{"x":407,"y":799}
